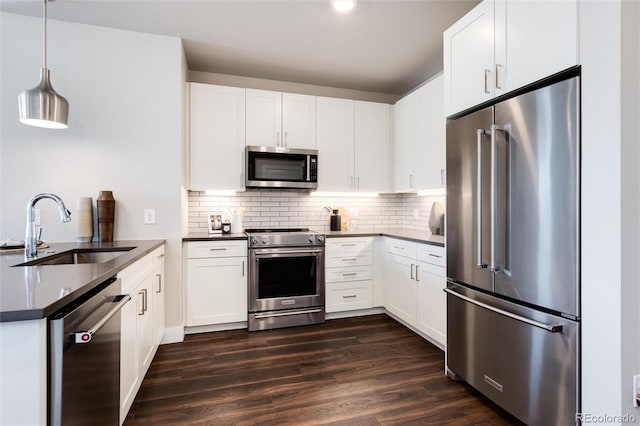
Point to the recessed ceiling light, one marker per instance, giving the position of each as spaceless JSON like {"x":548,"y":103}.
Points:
{"x":343,"y":5}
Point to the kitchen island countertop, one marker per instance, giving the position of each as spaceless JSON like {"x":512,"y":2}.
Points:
{"x":36,"y":292}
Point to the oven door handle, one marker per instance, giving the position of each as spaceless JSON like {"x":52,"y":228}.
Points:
{"x":277,"y":251}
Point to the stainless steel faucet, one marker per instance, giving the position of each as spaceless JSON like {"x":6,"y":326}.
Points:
{"x":30,"y":243}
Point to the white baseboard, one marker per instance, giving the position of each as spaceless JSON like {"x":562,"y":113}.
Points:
{"x":173,"y":335}
{"x":358,"y":313}
{"x":216,"y":327}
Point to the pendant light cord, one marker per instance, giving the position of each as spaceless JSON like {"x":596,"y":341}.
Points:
{"x":44,"y":51}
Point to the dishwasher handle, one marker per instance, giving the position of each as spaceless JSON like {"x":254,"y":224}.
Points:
{"x":86,"y":336}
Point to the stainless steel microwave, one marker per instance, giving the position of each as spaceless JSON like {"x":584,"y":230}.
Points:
{"x":281,"y":168}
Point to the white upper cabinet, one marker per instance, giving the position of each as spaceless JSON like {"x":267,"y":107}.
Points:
{"x":280,"y":119}
{"x":353,"y":145}
{"x":335,"y":144}
{"x":264,"y":117}
{"x":430,"y":126}
{"x":502,"y":45}
{"x":469,"y":59}
{"x":217,"y":137}
{"x":403,"y":144}
{"x":419,"y":139}
{"x":534,"y":39}
{"x":299,"y":121}
{"x":372,"y":121}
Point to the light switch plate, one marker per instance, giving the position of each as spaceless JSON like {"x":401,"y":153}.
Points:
{"x":149,"y":216}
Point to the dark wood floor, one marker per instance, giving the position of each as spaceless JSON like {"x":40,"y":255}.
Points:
{"x":358,"y":371}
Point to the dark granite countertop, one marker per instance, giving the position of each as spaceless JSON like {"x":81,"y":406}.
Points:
{"x":36,"y":292}
{"x":214,"y":237}
{"x":410,"y":235}
{"x":403,"y":234}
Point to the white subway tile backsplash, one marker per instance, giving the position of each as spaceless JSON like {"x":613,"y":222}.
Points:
{"x":291,"y":209}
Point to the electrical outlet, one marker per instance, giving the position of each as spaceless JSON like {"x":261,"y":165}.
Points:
{"x":149,"y":216}
{"x":636,"y":390}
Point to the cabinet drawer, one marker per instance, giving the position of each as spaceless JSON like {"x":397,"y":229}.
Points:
{"x":348,"y":245}
{"x":349,"y":296}
{"x":203,"y":249}
{"x":431,"y":254}
{"x":338,"y":261}
{"x":400,"y":247}
{"x":348,"y":274}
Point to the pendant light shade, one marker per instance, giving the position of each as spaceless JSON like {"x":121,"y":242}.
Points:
{"x":42,"y":106}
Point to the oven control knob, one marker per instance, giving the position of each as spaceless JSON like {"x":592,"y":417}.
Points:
{"x":265,"y":240}
{"x":320,"y":238}
{"x":311,"y":239}
{"x":254,"y":240}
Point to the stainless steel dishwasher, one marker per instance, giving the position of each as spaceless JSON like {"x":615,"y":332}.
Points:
{"x":84,"y":359}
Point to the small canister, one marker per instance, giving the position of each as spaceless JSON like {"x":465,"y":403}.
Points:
{"x":335,"y":220}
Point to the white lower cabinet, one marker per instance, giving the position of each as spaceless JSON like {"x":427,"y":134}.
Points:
{"x":348,"y":274}
{"x":432,"y":301}
{"x":216,"y":290}
{"x":414,"y":284}
{"x":142,"y":323}
{"x":400,"y":283}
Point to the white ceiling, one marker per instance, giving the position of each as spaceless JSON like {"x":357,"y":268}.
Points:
{"x":385,"y":46}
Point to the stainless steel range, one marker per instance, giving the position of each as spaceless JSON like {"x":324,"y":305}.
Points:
{"x":286,"y":278}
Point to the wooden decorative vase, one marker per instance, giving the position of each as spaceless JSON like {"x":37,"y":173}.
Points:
{"x":106,"y":216}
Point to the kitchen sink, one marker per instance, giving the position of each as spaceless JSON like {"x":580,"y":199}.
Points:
{"x":78,"y":256}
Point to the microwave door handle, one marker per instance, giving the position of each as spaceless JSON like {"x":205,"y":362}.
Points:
{"x":308,"y":168}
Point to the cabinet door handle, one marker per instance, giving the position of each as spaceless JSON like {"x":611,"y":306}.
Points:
{"x":498,"y":76}
{"x":285,"y":139}
{"x":435,"y":255}
{"x":417,"y":271}
{"x":350,"y":296}
{"x":487,"y":81}
{"x":357,"y":182}
{"x":351,"y":259}
{"x":243,"y":268}
{"x":349,"y":244}
{"x":217,"y":249}
{"x":159,"y":283}
{"x":349,"y":274}
{"x":277,"y":138}
{"x":142,"y":293}
{"x":442,"y":176}
{"x":412,"y":273}
{"x":351,"y":182}
{"x":410,"y":181}
{"x":160,"y":256}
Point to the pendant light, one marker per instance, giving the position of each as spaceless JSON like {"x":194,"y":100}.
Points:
{"x":42,"y":106}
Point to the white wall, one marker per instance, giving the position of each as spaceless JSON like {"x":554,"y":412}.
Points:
{"x":610,"y":208}
{"x":125,"y":92}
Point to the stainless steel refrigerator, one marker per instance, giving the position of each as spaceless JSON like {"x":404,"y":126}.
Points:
{"x":513,"y":252}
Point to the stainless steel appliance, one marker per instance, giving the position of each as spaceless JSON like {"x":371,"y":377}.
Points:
{"x":513,"y":258}
{"x":281,"y":168}
{"x":84,"y":359}
{"x":286,"y":278}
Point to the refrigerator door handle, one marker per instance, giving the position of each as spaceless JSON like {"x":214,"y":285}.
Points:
{"x":494,"y":198}
{"x":479,"y":134}
{"x":551,"y":328}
